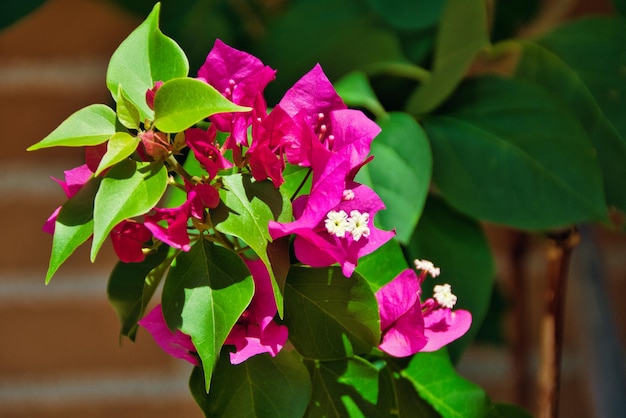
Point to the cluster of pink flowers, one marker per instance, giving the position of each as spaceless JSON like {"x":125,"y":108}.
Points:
{"x":333,"y":224}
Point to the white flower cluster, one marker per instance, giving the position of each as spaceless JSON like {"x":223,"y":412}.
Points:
{"x":338,"y":223}
{"x":444,"y":296}
{"x":428,"y":267}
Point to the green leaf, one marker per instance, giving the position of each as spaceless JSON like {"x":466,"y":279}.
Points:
{"x":400,"y":172}
{"x":458,"y":245}
{"x":205,"y":293}
{"x":131,"y":285}
{"x":406,"y":401}
{"x":120,"y":146}
{"x":539,"y":65}
{"x":383,"y":265}
{"x":345,"y":388}
{"x":145,"y":57}
{"x":182,"y":102}
{"x":329,"y":316}
{"x":128,"y":189}
{"x":127,"y":112}
{"x":248,"y":207}
{"x":438,"y":383}
{"x":504,"y":151}
{"x":409,"y":14}
{"x":502,"y":410}
{"x":73,"y":226}
{"x":356,"y":91}
{"x":91,"y":125}
{"x":262,"y":387}
{"x":462,"y":34}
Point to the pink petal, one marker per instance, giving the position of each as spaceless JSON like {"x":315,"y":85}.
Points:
{"x":442,"y":326}
{"x":128,"y":238}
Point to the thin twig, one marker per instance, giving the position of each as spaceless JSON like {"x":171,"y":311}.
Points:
{"x":559,"y":253}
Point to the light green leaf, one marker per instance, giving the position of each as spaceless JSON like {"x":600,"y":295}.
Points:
{"x":438,"y":383}
{"x":345,"y":388}
{"x":73,"y":226}
{"x":182,"y":102}
{"x":329,"y":316}
{"x":120,"y":146}
{"x":143,"y":58}
{"x":248,"y":207}
{"x":205,"y":293}
{"x":91,"y":125}
{"x":262,"y":387}
{"x":356,"y":91}
{"x":131,"y":285}
{"x":127,"y":112}
{"x":462,"y":34}
{"x":400,"y":172}
{"x":458,"y":245}
{"x":504,"y":151}
{"x":128,"y":189}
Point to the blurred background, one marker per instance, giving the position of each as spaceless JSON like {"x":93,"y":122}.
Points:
{"x":59,"y":349}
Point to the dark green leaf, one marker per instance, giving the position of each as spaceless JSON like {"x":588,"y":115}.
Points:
{"x":248,"y":208}
{"x":345,"y":388}
{"x":260,"y":387}
{"x":438,"y":383}
{"x":205,"y":293}
{"x":456,"y":244}
{"x":462,"y":34}
{"x":383,"y":265}
{"x":143,"y":58}
{"x":547,"y":70}
{"x":128,"y":189}
{"x":505,"y":151}
{"x":329,"y":316}
{"x":400,"y":172}
{"x":91,"y":125}
{"x":502,"y":410}
{"x":406,"y":400}
{"x":73,"y":226}
{"x":12,"y":11}
{"x":182,"y":102}
{"x":128,"y":285}
{"x":409,"y":14}
{"x":120,"y":146}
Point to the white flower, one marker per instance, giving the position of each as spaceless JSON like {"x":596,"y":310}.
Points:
{"x":428,"y":267}
{"x":358,"y":224}
{"x":444,"y":296}
{"x":337,"y":223}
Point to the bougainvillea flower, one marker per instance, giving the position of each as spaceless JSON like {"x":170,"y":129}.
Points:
{"x":409,"y":326}
{"x":241,"y":78}
{"x":175,"y":343}
{"x":175,"y":234}
{"x":201,"y":196}
{"x":256,"y":331}
{"x":319,"y":245}
{"x":128,"y":238}
{"x":75,"y":179}
{"x":204,"y":148}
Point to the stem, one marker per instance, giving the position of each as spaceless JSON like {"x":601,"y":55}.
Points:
{"x":559,"y":254}
{"x":175,"y":166}
{"x":522,"y":379}
{"x":306,"y":177}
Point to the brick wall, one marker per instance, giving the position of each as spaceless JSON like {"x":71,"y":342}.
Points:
{"x":59,"y":351}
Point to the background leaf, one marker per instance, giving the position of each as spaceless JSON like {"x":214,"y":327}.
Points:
{"x":128,"y":284}
{"x":356,"y":91}
{"x":383,"y":265}
{"x":128,"y":189}
{"x":182,"y":102}
{"x":12,"y":11}
{"x":260,"y":387}
{"x":462,"y":33}
{"x":144,"y":57}
{"x":205,"y":293}
{"x":329,"y":316}
{"x":91,"y":125}
{"x":73,"y":226}
{"x":409,"y":14}
{"x":399,"y":173}
{"x":458,"y":245}
{"x":545,"y":175}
